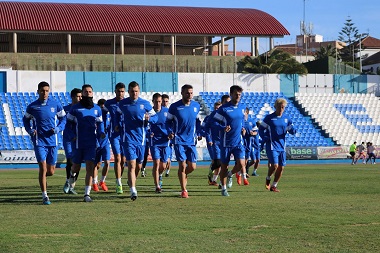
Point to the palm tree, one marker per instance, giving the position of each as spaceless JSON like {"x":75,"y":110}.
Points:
{"x":325,"y":52}
{"x":276,"y":61}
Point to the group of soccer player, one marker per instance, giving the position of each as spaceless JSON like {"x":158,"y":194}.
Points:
{"x":124,"y":123}
{"x":365,"y":151}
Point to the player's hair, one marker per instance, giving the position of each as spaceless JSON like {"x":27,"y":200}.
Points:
{"x":165,"y":96}
{"x":84,"y":86}
{"x":224,"y":98}
{"x":119,"y":85}
{"x":132,"y":85}
{"x":156,"y":95}
{"x":101,"y":101}
{"x":280,"y":101}
{"x":74,"y":92}
{"x":43,"y":84}
{"x":235,"y":88}
{"x":186,"y":87}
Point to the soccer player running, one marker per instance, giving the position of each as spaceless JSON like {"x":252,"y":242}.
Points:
{"x":165,"y":103}
{"x":159,"y":142}
{"x":115,"y":134}
{"x":69,"y":139}
{"x":136,"y":112}
{"x":231,"y":117}
{"x":361,"y":151}
{"x":278,"y":125}
{"x":88,"y":121}
{"x":255,"y":150}
{"x":353,"y":152}
{"x":103,"y":152}
{"x":186,"y":125}
{"x":40,"y":121}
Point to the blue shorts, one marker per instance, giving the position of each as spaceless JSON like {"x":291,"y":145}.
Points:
{"x":103,"y":154}
{"x":248,"y":151}
{"x":254,"y":154}
{"x":277,"y":157}
{"x":117,"y":146}
{"x":84,"y":154}
{"x":226,"y":152}
{"x":185,"y":153}
{"x":160,"y":152}
{"x":134,"y":152}
{"x":170,"y":151}
{"x":48,"y":154}
{"x":69,"y":148}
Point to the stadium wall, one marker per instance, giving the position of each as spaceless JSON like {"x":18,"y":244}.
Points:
{"x":20,"y":81}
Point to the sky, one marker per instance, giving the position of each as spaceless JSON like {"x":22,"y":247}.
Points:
{"x":327,"y":16}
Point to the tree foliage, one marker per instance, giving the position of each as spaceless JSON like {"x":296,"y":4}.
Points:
{"x":325,"y":52}
{"x":276,"y":61}
{"x":349,"y":34}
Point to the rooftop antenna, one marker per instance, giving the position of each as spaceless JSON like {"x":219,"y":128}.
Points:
{"x":306,"y":30}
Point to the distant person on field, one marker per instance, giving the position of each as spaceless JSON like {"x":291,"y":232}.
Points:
{"x":40,"y":122}
{"x":278,"y":124}
{"x":371,"y":150}
{"x":361,"y":152}
{"x":353,"y":152}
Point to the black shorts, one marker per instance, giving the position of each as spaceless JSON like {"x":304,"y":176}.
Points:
{"x":352,"y":154}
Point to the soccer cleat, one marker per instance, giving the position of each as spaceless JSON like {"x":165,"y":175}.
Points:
{"x":374,"y":163}
{"x":134,"y":196}
{"x":229,"y":182}
{"x":184,"y":194}
{"x":158,"y":190}
{"x":66,"y":187}
{"x":87,"y":198}
{"x":167,"y":173}
{"x":119,"y":189}
{"x":238,"y":178}
{"x":274,"y":189}
{"x":255,"y":174}
{"x":72,"y":191}
{"x":103,"y":185}
{"x":219,"y":186}
{"x":95,"y":187}
{"x":225,"y":193}
{"x":143,"y":174}
{"x":46,"y":201}
{"x":213,"y":183}
{"x":267,"y":184}
{"x":246,"y":182}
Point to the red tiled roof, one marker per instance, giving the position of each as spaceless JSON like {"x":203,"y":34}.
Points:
{"x":371,"y":42}
{"x":107,"y":18}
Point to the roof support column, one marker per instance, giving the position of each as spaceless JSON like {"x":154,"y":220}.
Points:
{"x":172,"y":45}
{"x":13,"y":44}
{"x":254,"y":46}
{"x":162,"y":45}
{"x":209,"y":45}
{"x":221,"y":51}
{"x":271,"y":43}
{"x":122,"y":44}
{"x":234,"y":45}
{"x":69,"y":43}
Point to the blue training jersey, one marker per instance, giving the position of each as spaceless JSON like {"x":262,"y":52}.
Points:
{"x":161,"y":129}
{"x":112,"y":105}
{"x":48,"y":119}
{"x":256,"y":139}
{"x":233,"y":116}
{"x":185,"y":122}
{"x":134,"y":123}
{"x":88,"y":125}
{"x":69,"y":131}
{"x":214,"y":128}
{"x":248,"y":138}
{"x":278,"y":127}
